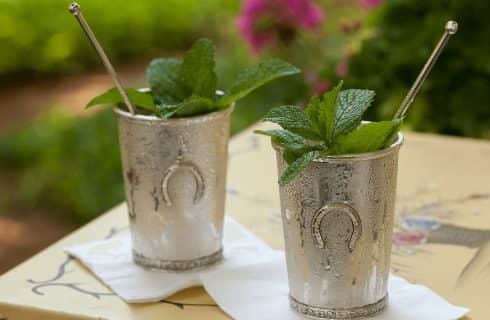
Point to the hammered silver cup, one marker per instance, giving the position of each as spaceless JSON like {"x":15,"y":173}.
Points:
{"x":338,"y":220}
{"x":175,"y":178}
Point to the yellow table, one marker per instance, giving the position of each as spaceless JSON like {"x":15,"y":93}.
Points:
{"x":445,"y":180}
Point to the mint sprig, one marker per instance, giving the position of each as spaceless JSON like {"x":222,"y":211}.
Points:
{"x":351,"y":105}
{"x":329,"y":125}
{"x":366,"y":138}
{"x":197,"y":74}
{"x":293,"y":119}
{"x":143,"y":99}
{"x":162,"y":75}
{"x":297,"y":166}
{"x":294,"y":144}
{"x":256,"y":76}
{"x":188,"y":88}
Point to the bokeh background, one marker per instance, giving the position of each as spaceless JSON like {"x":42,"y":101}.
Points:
{"x":59,"y":164}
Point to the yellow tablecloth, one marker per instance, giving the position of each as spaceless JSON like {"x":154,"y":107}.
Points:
{"x":444,"y":179}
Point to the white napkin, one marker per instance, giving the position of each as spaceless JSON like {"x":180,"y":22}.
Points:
{"x":250,"y":283}
{"x":260,"y":291}
{"x":111,"y":261}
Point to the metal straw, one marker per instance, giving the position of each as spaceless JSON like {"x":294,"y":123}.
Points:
{"x":450,"y":29}
{"x":74,"y":9}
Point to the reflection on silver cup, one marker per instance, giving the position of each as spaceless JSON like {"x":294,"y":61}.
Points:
{"x":338,"y":220}
{"x":175,"y":178}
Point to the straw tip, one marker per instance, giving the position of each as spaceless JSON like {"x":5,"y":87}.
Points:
{"x":74,"y":8}
{"x":452,"y":27}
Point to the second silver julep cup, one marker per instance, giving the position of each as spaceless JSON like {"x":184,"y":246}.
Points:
{"x":338,"y":219}
{"x":175,"y":178}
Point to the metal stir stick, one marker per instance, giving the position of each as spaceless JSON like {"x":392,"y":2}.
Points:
{"x":450,"y":29}
{"x":74,"y":9}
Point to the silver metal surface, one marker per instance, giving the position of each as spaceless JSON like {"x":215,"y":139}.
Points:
{"x":178,"y":265}
{"x":339,"y":313}
{"x":74,"y":9}
{"x":338,"y":219}
{"x":175,"y":178}
{"x":450,"y":28}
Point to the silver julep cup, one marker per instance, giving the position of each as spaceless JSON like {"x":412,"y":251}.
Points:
{"x":175,"y":178}
{"x":338,"y":220}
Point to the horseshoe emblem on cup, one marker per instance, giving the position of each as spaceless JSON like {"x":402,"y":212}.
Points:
{"x":188,"y":166}
{"x":320,"y":238}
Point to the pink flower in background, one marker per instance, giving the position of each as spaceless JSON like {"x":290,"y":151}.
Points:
{"x":320,"y":87}
{"x":342,"y":68}
{"x":317,"y":84}
{"x":369,"y":4}
{"x":266,"y":22}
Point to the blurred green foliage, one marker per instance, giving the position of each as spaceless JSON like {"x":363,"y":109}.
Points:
{"x":66,"y":164}
{"x":40,"y":37}
{"x":454,"y":100}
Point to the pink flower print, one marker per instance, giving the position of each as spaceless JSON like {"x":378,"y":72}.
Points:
{"x":409,"y":238}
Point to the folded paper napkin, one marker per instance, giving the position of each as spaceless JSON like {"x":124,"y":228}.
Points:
{"x":111,"y":261}
{"x":260,"y":291}
{"x":250,"y":283}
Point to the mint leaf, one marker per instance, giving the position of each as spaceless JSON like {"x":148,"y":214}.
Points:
{"x":287,"y":140}
{"x":312,"y":110}
{"x":322,"y":112}
{"x":112,"y":96}
{"x":162,"y":75}
{"x":256,"y":76}
{"x":165,"y":111}
{"x":290,"y":155}
{"x":293,"y":119}
{"x":197,"y":73}
{"x":366,"y":138}
{"x":284,"y":138}
{"x":191,"y":106}
{"x":294,"y":145}
{"x":327,"y":113}
{"x":297,"y":166}
{"x":351,"y":105}
{"x":195,"y":105}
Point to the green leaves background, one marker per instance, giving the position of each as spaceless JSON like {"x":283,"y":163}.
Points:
{"x":329,"y":125}
{"x":188,"y":88}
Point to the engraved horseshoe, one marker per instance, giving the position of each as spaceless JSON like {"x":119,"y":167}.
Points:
{"x":321,"y":240}
{"x":196,"y":173}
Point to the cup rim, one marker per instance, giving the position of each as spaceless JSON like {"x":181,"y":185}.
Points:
{"x":152,"y":118}
{"x":366,"y":155}
{"x":358,"y":156}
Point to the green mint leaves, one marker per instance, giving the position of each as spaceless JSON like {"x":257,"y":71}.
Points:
{"x":112,"y":96}
{"x":366,"y":138}
{"x":256,"y":76}
{"x":329,"y":125}
{"x":197,"y":74}
{"x":350,"y":108}
{"x":188,"y":88}
{"x":323,"y":113}
{"x":293,"y":119}
{"x":162,"y":75}
{"x":297,"y":166}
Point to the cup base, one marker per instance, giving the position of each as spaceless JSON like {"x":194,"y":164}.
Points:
{"x":178,"y":265}
{"x":314,"y":312}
